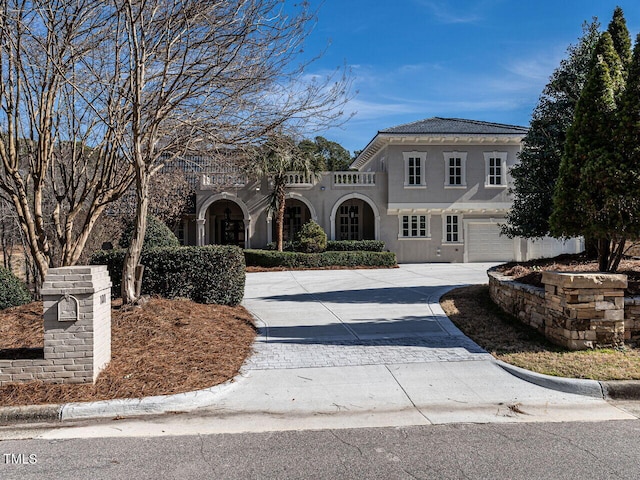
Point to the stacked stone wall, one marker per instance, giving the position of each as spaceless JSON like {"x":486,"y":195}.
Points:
{"x":575,"y":310}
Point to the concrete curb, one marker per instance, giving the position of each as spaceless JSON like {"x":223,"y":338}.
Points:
{"x":622,"y":389}
{"x":612,"y":389}
{"x":121,"y":407}
{"x":589,"y":388}
{"x":30,"y":414}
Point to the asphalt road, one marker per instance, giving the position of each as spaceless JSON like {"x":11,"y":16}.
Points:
{"x":598,"y":450}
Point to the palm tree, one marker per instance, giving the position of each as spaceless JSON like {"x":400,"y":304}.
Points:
{"x":278,"y":157}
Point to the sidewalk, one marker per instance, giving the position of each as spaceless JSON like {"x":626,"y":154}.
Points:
{"x":352,"y":348}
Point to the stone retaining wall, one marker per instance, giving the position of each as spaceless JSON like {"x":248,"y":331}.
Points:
{"x":575,"y":310}
{"x":77,"y":329}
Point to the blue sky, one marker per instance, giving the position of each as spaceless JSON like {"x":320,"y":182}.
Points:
{"x":477,"y":59}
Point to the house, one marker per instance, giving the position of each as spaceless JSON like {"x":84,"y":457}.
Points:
{"x":434,"y":190}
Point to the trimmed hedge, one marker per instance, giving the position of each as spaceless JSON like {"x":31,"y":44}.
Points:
{"x":210,"y":274}
{"x":12,"y":291}
{"x":269,"y":259}
{"x":337,"y":246}
{"x":355,"y":245}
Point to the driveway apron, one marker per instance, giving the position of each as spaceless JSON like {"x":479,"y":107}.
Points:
{"x":373,"y":348}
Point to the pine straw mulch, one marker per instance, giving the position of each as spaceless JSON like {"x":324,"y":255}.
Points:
{"x":509,"y":340}
{"x":163,"y":347}
{"x":531,"y":272}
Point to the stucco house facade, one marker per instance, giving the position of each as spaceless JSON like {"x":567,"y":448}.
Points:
{"x":434,"y":190}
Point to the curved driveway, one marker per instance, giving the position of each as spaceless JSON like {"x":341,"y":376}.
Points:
{"x":359,"y":348}
{"x":374,"y":348}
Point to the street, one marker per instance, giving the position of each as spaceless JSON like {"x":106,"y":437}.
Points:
{"x":598,"y":450}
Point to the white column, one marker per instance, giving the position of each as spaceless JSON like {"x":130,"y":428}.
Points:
{"x":200,"y":232}
{"x":247,"y":233}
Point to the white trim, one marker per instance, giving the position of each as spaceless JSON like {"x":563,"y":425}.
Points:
{"x":359,"y":196}
{"x":422,"y":156}
{"x":475,"y":207}
{"x":503,"y":169}
{"x":463,"y":169}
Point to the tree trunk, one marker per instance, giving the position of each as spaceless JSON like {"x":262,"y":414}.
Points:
{"x":280,"y":195}
{"x":604,"y":249}
{"x":130,"y":290}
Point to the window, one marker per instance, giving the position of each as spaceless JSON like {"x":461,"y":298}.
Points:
{"x":452,"y":229}
{"x":349,"y":219}
{"x":414,"y":226}
{"x":415,"y":173}
{"x":415,"y":164}
{"x":496,"y":165}
{"x":455,"y":169}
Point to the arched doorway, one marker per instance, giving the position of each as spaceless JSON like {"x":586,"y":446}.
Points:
{"x":353,"y":218}
{"x":224,"y":221}
{"x":296,"y":214}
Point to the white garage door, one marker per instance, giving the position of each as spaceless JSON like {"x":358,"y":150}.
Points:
{"x":485,"y":244}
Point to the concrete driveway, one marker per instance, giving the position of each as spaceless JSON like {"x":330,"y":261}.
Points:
{"x":374,"y":348}
{"x":360,"y":348}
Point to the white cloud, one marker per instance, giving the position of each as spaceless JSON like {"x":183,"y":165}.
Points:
{"x":449,"y":12}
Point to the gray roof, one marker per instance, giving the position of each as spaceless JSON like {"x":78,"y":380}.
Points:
{"x":438,"y":125}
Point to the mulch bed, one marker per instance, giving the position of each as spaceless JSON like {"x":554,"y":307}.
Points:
{"x":163,"y":347}
{"x":530,"y":272}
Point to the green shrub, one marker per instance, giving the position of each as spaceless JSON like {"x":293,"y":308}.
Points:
{"x":287,"y":246}
{"x":12,"y":291}
{"x":270,"y":259}
{"x":157,"y":234}
{"x":355,"y":245}
{"x":311,"y":238}
{"x":210,"y":274}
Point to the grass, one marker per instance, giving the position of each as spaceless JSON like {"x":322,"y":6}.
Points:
{"x":163,"y":347}
{"x":502,"y":335}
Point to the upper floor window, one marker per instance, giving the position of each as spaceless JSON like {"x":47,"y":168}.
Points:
{"x":415,"y":164}
{"x":455,"y":169}
{"x":496,"y":169}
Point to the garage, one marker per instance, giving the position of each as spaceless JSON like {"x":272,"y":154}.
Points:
{"x":485,"y":244}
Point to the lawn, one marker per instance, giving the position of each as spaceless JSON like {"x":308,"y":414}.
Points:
{"x":502,"y":335}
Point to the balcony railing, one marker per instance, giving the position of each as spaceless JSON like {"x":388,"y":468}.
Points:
{"x":210,"y":181}
{"x":296,"y":179}
{"x":354,"y":179}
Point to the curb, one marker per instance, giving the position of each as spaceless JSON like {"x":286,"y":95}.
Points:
{"x":31,"y":414}
{"x":608,"y":390}
{"x":622,"y":389}
{"x":120,"y":407}
{"x":588,"y":388}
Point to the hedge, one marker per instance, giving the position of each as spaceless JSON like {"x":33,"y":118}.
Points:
{"x":210,"y":274}
{"x":355,"y":245}
{"x":12,"y":291}
{"x":156,"y":235}
{"x":267,"y":259}
{"x":338,"y":246}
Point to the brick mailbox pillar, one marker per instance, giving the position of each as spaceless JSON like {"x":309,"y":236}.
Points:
{"x":77,"y":321}
{"x":585,"y":310}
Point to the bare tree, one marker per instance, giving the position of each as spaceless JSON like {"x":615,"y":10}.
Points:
{"x":58,"y":166}
{"x":202,"y":74}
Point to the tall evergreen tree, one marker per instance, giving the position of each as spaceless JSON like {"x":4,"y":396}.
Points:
{"x":583,"y":189}
{"x":535,"y":175}
{"x":620,"y":36}
{"x":623,"y":210}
